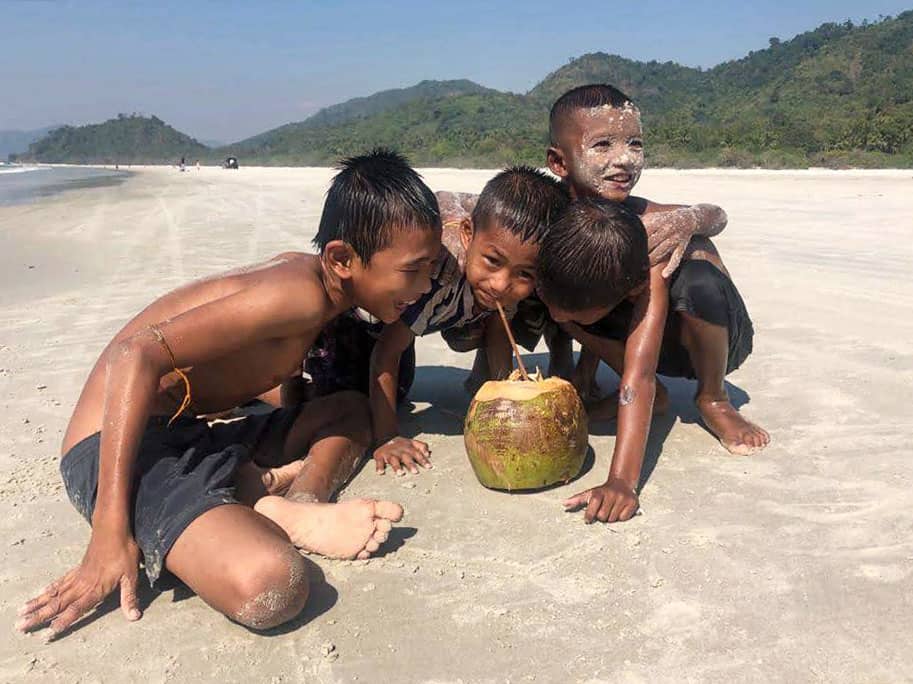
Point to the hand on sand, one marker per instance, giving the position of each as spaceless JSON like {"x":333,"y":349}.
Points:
{"x":347,"y":530}
{"x":614,"y":501}
{"x":110,"y":561}
{"x":401,"y":453}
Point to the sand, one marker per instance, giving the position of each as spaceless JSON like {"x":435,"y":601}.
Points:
{"x":791,"y":565}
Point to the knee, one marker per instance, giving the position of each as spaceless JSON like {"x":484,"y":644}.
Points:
{"x":699,"y":290}
{"x":273,"y":590}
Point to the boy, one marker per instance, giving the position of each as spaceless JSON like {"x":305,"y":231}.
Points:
{"x":597,"y":147}
{"x":489,"y":258}
{"x":206,"y":502}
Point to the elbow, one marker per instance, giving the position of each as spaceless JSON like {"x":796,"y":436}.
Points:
{"x":128,"y":353}
{"x":640,"y":381}
{"x":715,"y":218}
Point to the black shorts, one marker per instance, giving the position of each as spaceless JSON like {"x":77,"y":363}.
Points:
{"x":699,"y":289}
{"x":180,"y":473}
{"x":340,"y":359}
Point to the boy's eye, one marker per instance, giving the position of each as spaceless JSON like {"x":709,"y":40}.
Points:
{"x":601,"y":143}
{"x":527,"y":275}
{"x":492,"y":261}
{"x":637,"y":143}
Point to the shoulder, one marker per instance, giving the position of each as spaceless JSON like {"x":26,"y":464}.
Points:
{"x":290,"y":286}
{"x":455,"y":205}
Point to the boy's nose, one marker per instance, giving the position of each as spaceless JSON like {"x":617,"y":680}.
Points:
{"x":499,"y":284}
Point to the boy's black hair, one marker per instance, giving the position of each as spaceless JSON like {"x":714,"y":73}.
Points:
{"x":522,"y":200}
{"x":372,"y":195}
{"x":593,"y":256}
{"x":583,"y":97}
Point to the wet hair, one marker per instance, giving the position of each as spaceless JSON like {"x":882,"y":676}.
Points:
{"x":593,"y":256}
{"x":522,"y":200}
{"x":372,"y":195}
{"x":583,"y":97}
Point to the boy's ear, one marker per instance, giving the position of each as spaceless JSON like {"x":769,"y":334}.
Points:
{"x":556,"y":162}
{"x":466,"y":232}
{"x":339,"y":256}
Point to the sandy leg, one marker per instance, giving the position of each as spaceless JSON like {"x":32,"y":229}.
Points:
{"x":351,"y":529}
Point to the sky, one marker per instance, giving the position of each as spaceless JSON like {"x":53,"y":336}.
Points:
{"x":225,"y":70}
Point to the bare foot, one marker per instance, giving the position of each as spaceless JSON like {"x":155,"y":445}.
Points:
{"x":607,"y":409}
{"x":254,"y":482}
{"x":351,"y":529}
{"x":738,"y":435}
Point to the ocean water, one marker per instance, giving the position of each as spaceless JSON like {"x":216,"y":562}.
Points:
{"x":24,"y":184}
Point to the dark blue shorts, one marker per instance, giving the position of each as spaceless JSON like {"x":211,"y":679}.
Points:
{"x":699,"y":289}
{"x":180,"y":473}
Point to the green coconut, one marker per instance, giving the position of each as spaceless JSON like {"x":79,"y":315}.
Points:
{"x":525,"y":434}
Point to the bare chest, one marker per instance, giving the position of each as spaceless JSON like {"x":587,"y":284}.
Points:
{"x":239,"y":377}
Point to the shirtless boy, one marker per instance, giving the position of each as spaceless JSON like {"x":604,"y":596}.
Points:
{"x":226,"y":507}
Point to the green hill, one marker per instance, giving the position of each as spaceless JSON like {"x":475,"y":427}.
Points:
{"x":127,"y":139}
{"x":839,"y":95}
{"x":291,"y":143}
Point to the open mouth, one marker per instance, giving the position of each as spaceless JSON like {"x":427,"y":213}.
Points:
{"x":619,"y":178}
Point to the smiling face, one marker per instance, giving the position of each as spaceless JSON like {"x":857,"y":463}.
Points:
{"x":499,"y":265}
{"x":600,"y":151}
{"x":397,"y":275}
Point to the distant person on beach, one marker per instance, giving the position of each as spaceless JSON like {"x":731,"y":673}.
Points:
{"x":226,"y":506}
{"x":182,"y":164}
{"x":633,"y":315}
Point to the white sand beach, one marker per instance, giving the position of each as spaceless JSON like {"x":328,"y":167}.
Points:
{"x":794,"y":564}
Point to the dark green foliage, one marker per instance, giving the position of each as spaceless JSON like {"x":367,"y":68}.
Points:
{"x":128,"y":139}
{"x":841,"y":95}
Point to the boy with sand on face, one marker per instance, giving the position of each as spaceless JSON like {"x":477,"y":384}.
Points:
{"x":693,"y":324}
{"x":489,"y":258}
{"x":226,"y":507}
{"x":670,"y":230}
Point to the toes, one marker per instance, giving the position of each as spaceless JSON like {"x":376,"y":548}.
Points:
{"x":371,"y":546}
{"x":383,"y":525}
{"x":388,"y":510}
{"x":363,"y":554}
{"x":738,"y":448}
{"x":380,"y":536}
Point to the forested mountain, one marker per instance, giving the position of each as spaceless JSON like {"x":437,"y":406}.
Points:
{"x":839,"y":95}
{"x":127,"y":139}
